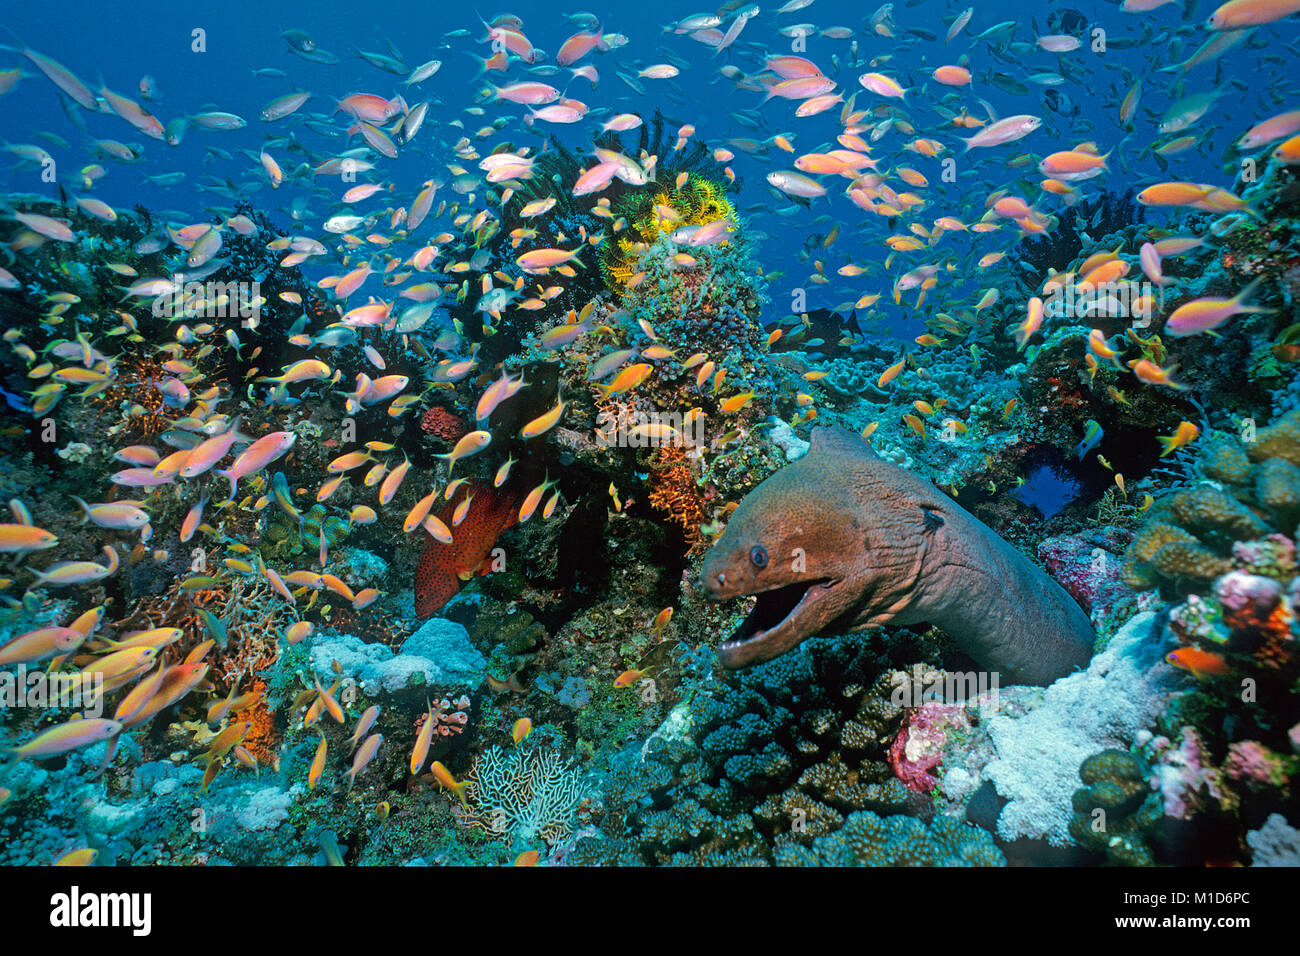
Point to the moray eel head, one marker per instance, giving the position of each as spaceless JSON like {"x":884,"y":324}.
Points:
{"x":787,"y":557}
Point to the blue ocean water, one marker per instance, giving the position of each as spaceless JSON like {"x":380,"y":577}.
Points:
{"x":155,"y":39}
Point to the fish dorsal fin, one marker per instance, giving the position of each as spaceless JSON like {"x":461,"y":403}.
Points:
{"x":835,"y":440}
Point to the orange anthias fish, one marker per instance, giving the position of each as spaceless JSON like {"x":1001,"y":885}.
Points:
{"x":630,"y":677}
{"x":443,"y":567}
{"x":1201,"y":664}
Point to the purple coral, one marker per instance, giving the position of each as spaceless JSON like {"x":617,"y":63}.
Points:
{"x":1272,"y":554}
{"x":1184,"y":774}
{"x":1089,"y":572}
{"x":1247,"y":599}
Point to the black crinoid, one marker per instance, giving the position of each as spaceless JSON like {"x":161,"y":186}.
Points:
{"x":1101,"y":220}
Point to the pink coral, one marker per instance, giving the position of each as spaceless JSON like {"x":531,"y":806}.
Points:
{"x":1185,"y":775}
{"x":1253,"y":763}
{"x":1248,"y":600}
{"x":1088,"y":571}
{"x":918,"y":748}
{"x":448,"y":722}
{"x":441,"y":423}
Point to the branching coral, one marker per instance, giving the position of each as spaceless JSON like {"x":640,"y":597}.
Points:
{"x":526,"y":793}
{"x":254,"y":618}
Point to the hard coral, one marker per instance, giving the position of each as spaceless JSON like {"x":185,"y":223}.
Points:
{"x":443,"y":423}
{"x":447,"y":722}
{"x":1115,"y":807}
{"x":870,"y":840}
{"x":773,"y":756}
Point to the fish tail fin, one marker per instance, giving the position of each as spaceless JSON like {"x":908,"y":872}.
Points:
{"x":231,"y":478}
{"x":21,"y":46}
{"x":240,"y":437}
{"x":85,"y":508}
{"x":482,"y":62}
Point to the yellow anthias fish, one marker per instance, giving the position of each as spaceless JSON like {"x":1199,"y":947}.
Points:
{"x":1185,"y":434}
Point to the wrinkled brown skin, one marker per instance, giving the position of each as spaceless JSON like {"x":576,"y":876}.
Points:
{"x":861,"y":522}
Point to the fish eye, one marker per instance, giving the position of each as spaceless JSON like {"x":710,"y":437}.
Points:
{"x":758,"y":556}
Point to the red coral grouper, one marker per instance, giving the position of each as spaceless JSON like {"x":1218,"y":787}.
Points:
{"x":443,"y":567}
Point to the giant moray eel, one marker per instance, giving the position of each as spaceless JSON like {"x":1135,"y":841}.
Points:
{"x":842,"y":538}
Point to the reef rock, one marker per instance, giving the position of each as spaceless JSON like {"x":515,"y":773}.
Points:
{"x":440,"y":653}
{"x":1036,"y":756}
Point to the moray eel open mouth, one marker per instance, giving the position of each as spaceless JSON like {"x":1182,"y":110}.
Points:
{"x":781,"y":618}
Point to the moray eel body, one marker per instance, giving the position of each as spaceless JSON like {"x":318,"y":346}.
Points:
{"x":842,"y":537}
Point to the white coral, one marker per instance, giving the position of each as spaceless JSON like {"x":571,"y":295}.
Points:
{"x":1276,"y":843}
{"x":527,"y":792}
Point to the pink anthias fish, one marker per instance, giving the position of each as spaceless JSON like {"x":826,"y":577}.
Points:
{"x":257,"y":456}
{"x":1006,"y":130}
{"x":1210,"y":312}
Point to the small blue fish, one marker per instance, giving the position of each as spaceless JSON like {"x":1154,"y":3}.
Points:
{"x":15,"y":401}
{"x":1091,"y":438}
{"x":214,"y":626}
{"x":284,"y":498}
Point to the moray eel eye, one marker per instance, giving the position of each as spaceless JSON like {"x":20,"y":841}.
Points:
{"x":758,"y":555}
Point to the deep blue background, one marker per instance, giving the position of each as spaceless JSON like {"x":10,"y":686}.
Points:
{"x":123,"y":41}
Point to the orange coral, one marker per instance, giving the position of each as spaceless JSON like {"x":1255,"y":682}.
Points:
{"x":262,"y":740}
{"x":674,"y":492}
{"x":132,"y":387}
